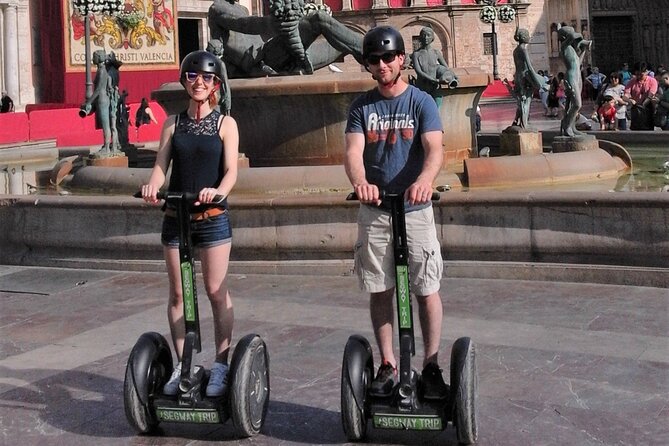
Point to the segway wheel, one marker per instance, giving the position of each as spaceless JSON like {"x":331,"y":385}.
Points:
{"x":249,"y":387}
{"x":464,"y":383}
{"x":356,"y":376}
{"x":147,"y":370}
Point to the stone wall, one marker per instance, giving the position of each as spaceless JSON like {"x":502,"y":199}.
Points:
{"x":629,"y":229}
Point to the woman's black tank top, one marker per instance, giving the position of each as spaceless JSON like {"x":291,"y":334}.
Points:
{"x":197,"y":155}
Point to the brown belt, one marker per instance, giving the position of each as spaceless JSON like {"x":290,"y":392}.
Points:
{"x":198,"y":216}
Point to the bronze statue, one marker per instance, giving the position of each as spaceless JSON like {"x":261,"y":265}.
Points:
{"x":104,"y":100}
{"x":572,"y":50}
{"x":431,"y":68}
{"x":283,"y":42}
{"x":215,"y":47}
{"x":525,"y":79}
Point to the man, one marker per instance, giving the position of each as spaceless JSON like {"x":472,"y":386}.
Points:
{"x":596,"y":80}
{"x":639,"y":93}
{"x":6,"y":104}
{"x":394,"y":143}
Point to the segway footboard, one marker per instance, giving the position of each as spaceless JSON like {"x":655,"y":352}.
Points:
{"x":425,"y":416}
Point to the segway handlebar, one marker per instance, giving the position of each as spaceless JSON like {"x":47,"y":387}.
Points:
{"x":191,"y":197}
{"x":384,"y":195}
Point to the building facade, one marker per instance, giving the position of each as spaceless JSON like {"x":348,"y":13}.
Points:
{"x":33,"y":33}
{"x":629,"y":31}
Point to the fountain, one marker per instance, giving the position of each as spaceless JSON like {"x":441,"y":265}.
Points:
{"x":289,"y":205}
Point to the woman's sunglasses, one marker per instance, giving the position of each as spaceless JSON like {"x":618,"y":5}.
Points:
{"x":374,"y":59}
{"x":207,"y":78}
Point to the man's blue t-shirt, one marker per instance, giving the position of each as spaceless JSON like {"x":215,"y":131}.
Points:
{"x":393,"y":155}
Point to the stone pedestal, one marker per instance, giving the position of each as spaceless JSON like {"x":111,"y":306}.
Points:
{"x":525,"y":143}
{"x":242,"y":161}
{"x":309,"y":115}
{"x":574,"y":144}
{"x":108,"y":161}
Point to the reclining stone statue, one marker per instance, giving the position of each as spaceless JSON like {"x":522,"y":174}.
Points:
{"x":282,"y":42}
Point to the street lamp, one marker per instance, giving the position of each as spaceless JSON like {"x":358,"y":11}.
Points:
{"x":490,"y":13}
{"x":87,"y":8}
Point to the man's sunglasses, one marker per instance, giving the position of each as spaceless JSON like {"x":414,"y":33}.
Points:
{"x":207,"y":78}
{"x":374,"y":59}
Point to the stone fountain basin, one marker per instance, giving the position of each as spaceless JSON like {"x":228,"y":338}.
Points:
{"x":607,"y":161}
{"x":300,"y":120}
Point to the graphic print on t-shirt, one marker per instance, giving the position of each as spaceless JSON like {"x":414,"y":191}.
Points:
{"x":386,"y":127}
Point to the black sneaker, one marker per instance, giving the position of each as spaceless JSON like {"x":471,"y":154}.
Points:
{"x":434,"y":387}
{"x":385,"y":380}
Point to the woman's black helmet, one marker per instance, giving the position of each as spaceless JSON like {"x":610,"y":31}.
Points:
{"x":201,"y":62}
{"x":382,"y":39}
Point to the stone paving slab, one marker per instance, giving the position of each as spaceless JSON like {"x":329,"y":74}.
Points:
{"x":559,"y":363}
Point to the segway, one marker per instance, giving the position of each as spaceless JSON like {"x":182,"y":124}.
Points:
{"x":406,"y":408}
{"x":150,"y":364}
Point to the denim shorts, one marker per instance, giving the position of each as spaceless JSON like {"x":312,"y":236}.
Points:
{"x":374,"y":256}
{"x":205,"y":233}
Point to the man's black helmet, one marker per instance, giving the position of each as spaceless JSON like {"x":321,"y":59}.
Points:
{"x":382,"y":39}
{"x":201,"y":62}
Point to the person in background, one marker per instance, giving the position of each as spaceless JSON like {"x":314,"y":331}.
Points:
{"x":661,"y":102}
{"x":561,"y":95}
{"x":639,"y":93}
{"x":616,"y":90}
{"x":607,"y":114}
{"x":6,"y":104}
{"x":144,"y":114}
{"x":625,"y":74}
{"x":543,"y":92}
{"x":553,"y":102}
{"x":596,"y":80}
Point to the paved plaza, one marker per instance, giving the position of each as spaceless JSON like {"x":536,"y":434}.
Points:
{"x":559,"y":363}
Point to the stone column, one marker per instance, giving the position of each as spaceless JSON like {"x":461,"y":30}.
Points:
{"x":2,"y":46}
{"x":377,"y":4}
{"x":418,"y":2}
{"x":347,"y":5}
{"x":11,"y":53}
{"x":15,"y":181}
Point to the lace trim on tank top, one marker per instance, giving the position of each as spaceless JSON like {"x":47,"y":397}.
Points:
{"x":209,"y":125}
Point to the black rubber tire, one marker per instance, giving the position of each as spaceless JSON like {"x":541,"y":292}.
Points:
{"x":249,"y":386}
{"x":141,"y":415}
{"x":353,"y":418}
{"x":464,"y":386}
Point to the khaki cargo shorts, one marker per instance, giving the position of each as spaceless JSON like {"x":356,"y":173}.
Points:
{"x":374,"y":257}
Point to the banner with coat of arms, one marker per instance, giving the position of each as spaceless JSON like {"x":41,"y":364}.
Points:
{"x":141,"y":33}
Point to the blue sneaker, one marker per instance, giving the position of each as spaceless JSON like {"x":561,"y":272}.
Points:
{"x":218,"y":380}
{"x":172,"y":385}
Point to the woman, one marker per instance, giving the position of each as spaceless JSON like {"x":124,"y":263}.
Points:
{"x":203,"y":147}
{"x":144,"y":114}
{"x":553,"y":102}
{"x":616,"y":90}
